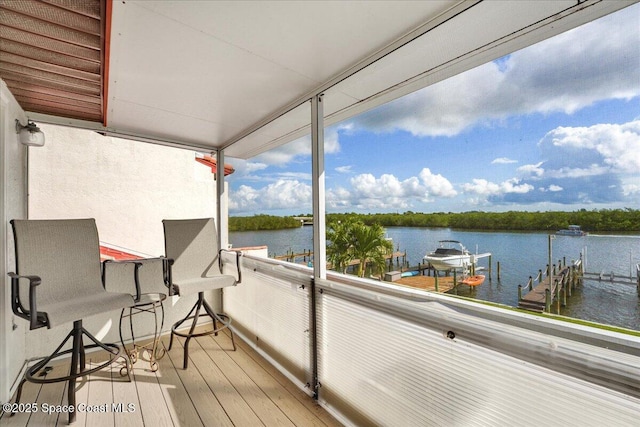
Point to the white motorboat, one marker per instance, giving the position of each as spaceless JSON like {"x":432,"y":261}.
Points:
{"x":449,"y":254}
{"x":573,"y":230}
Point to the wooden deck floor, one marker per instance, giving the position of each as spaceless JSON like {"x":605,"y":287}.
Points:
{"x":445,"y":284}
{"x":219,"y":388}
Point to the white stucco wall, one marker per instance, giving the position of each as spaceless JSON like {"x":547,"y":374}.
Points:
{"x":128,"y":187}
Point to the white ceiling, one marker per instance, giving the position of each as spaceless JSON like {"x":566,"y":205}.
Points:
{"x":229,"y":75}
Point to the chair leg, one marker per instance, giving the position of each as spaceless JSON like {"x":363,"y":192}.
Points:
{"x":215,"y":316}
{"x":77,"y":367}
{"x":38,"y":366}
{"x":19,"y":394}
{"x":201,"y":303}
{"x":76,"y":354}
{"x":83,"y":359}
{"x":110,"y":348}
{"x":185,"y":362}
{"x":170,"y":341}
{"x":179,"y":323}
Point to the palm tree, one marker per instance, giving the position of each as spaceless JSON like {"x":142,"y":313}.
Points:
{"x":370,"y":246}
{"x":351,"y":240}
{"x":339,"y":251}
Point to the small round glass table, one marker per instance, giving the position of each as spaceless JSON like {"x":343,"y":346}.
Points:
{"x":148,"y":303}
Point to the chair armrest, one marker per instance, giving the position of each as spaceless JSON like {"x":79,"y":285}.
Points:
{"x":136,"y":277}
{"x":36,"y":320}
{"x":166,"y":271}
{"x":238,"y":254}
{"x":168,"y":278}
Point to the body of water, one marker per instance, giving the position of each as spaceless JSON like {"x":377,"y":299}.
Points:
{"x":520,"y":255}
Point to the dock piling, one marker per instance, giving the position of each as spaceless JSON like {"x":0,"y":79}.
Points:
{"x":490,"y":267}
{"x":558,"y":300}
{"x":547,"y":300}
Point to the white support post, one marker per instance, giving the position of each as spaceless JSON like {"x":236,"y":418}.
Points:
{"x":319,"y":239}
{"x":317,"y":171}
{"x":222,"y":217}
{"x":222,"y":202}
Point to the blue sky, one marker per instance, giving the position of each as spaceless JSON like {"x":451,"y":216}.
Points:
{"x":555,"y":126}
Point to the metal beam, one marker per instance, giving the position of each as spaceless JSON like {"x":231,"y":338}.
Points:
{"x":319,"y":240}
{"x":118,"y":133}
{"x":317,"y":172}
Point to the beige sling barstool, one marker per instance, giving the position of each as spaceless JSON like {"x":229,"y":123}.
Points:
{"x":58,"y":281}
{"x":195,"y":266}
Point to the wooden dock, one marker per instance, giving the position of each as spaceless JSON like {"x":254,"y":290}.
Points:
{"x":540,"y":297}
{"x":615,"y":278}
{"x":427,"y":283}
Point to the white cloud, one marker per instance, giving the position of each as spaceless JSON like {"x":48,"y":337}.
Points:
{"x":567,"y":172}
{"x":514,"y":186}
{"x":597,"y":61}
{"x":482,"y":187}
{"x":365,"y":191}
{"x":301,"y":147}
{"x":245,"y":169}
{"x":250,"y":167}
{"x":282,"y":194}
{"x":554,"y":188}
{"x":503,"y":161}
{"x":338,"y":198}
{"x":532,"y":170}
{"x":287,"y":193}
{"x":618,"y":145}
{"x":486,"y":188}
{"x":366,"y":186}
{"x":294,"y":175}
{"x":437,"y":185}
{"x":286,"y":153}
{"x":388,"y":192}
{"x":631,"y":189}
{"x":244,"y":198}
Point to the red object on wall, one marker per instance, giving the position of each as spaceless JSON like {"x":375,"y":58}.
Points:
{"x":115,"y":254}
{"x":213,"y":164}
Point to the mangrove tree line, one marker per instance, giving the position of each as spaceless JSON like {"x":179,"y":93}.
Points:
{"x":603,"y":220}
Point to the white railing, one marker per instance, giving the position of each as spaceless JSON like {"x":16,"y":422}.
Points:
{"x":387,"y":355}
{"x":270,"y":310}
